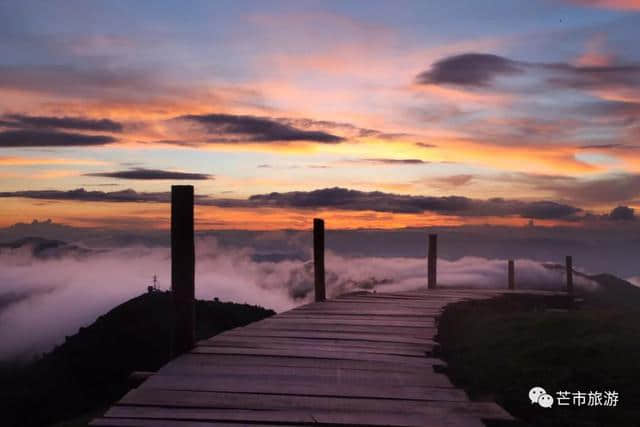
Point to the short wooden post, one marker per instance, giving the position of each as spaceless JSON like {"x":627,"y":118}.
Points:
{"x":318,"y":258}
{"x":431,"y":261}
{"x":569,"y":270}
{"x":512,"y":275}
{"x":182,"y":268}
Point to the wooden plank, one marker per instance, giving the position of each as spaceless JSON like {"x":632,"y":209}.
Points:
{"x":274,"y":342}
{"x":370,"y":302}
{"x":355,"y":317}
{"x":312,"y":374}
{"x":259,"y":360}
{"x":233,"y":347}
{"x":362,"y":312}
{"x":211,"y":414}
{"x":427,"y":333}
{"x":396,"y":419}
{"x":366,"y":313}
{"x":142,"y":422}
{"x":356,"y":320}
{"x":310,"y":341}
{"x":349,"y":418}
{"x":338,"y":335}
{"x":314,"y":354}
{"x":255,"y":401}
{"x":273,"y":385}
{"x":370,"y":311}
{"x":262,"y":340}
{"x":383,"y":305}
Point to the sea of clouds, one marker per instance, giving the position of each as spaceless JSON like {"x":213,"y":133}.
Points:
{"x":45,"y":298}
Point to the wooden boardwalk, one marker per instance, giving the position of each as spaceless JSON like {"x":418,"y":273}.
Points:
{"x":360,"y":359}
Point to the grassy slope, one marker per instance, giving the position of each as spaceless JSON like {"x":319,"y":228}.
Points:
{"x":499,"y":349}
{"x":90,"y":369}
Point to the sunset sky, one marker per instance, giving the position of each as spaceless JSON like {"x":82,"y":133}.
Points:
{"x":371,"y":114}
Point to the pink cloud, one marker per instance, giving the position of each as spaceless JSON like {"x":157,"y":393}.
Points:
{"x":610,"y":4}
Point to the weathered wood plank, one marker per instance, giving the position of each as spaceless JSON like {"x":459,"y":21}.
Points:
{"x":370,"y":311}
{"x":233,"y":347}
{"x":258,"y":401}
{"x":338,"y":335}
{"x":259,"y":360}
{"x":255,"y":401}
{"x":349,"y":418}
{"x":211,"y":414}
{"x":312,"y":374}
{"x":273,"y":385}
{"x":142,"y":422}
{"x":351,"y":343}
{"x":356,"y":321}
{"x":371,"y":303}
{"x":314,"y":354}
{"x":265,"y":342}
{"x":372,"y":324}
{"x":425,"y":332}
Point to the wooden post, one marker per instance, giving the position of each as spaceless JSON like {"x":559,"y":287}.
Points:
{"x":318,"y":258}
{"x":569,"y":270}
{"x":182,"y":268}
{"x":512,"y":275}
{"x":431,"y":261}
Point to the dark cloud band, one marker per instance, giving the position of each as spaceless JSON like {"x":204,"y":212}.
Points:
{"x":481,"y":70}
{"x":342,"y":199}
{"x":383,"y":161}
{"x":469,"y":69}
{"x":152,"y":174}
{"x":50,"y":138}
{"x":227,"y":128}
{"x":75,"y":123}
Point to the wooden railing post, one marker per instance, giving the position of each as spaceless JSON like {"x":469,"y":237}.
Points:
{"x":182,"y":268}
{"x":431,"y":261}
{"x":512,"y":275}
{"x":318,"y":258}
{"x":569,"y":271}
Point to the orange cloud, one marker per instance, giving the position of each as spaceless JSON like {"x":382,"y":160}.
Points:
{"x":535,"y":159}
{"x":157,"y":216}
{"x":465,"y":97}
{"x":37,"y":161}
{"x":610,"y":4}
{"x":55,"y":174}
{"x":595,"y":55}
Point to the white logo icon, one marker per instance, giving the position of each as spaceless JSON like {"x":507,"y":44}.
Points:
{"x":539,"y":395}
{"x":535,"y":393}
{"x":546,"y":401}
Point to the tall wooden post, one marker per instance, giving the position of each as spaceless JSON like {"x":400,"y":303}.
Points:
{"x":182,"y":268}
{"x":512,"y":275}
{"x":318,"y":258}
{"x":569,"y":270}
{"x":431,"y":261}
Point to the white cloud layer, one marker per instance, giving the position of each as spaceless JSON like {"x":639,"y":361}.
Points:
{"x":48,"y":298}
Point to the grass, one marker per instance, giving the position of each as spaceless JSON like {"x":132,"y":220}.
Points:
{"x":498,"y":349}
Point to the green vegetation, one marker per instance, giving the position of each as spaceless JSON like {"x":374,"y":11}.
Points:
{"x":82,"y":376}
{"x":498,"y":349}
